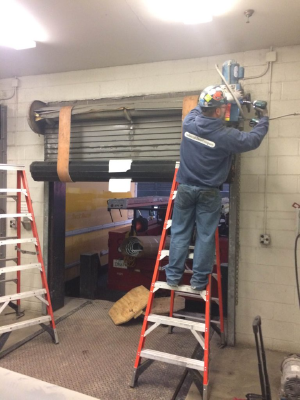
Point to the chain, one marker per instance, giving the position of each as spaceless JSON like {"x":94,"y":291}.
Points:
{"x":237,"y":238}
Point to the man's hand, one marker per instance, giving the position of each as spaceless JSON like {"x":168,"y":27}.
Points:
{"x":263,"y":112}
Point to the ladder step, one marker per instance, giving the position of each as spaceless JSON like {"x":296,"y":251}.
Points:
{"x":17,"y":241}
{"x":9,"y":259}
{"x":166,"y":253}
{"x":6,"y":167}
{"x":21,"y":215}
{"x":8,"y":280}
{"x":190,"y":316}
{"x":24,"y":191}
{"x":20,"y":267}
{"x":9,"y":196}
{"x":181,"y":288}
{"x":180,"y":323}
{"x":25,"y":324}
{"x":24,"y":295}
{"x":173,"y":359}
{"x":163,"y":254}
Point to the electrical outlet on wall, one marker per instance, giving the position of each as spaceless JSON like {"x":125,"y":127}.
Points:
{"x":265,"y":239}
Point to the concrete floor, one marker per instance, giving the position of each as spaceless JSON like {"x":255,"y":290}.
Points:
{"x":21,"y":334}
{"x":233,"y":371}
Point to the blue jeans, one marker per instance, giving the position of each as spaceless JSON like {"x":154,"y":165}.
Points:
{"x":203,"y":206}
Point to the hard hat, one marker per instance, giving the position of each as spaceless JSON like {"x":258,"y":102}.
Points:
{"x":212,"y":96}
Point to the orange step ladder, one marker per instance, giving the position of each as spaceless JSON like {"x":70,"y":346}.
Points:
{"x":14,"y":300}
{"x":200,"y":330}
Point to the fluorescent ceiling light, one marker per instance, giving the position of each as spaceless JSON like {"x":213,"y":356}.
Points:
{"x":189,"y":11}
{"x":18,"y":29}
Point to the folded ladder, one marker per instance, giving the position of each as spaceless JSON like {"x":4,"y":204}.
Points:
{"x":200,"y":330}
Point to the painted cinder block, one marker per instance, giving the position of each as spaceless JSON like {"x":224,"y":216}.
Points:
{"x":282,"y":184}
{"x":283,"y":147}
{"x":251,"y":201}
{"x":285,"y":345}
{"x":251,"y":308}
{"x":277,"y":330}
{"x":249,"y":183}
{"x":290,"y":90}
{"x":248,"y":339}
{"x":251,"y":165}
{"x":281,"y":224}
{"x":273,"y":256}
{"x":284,"y":239}
{"x":289,"y":54}
{"x":256,"y":273}
{"x":255,"y":57}
{"x":250,"y":237}
{"x":288,"y":165}
{"x":280,"y":202}
{"x":251,"y":219}
{"x":284,"y":275}
{"x":289,"y":127}
{"x":247,"y":254}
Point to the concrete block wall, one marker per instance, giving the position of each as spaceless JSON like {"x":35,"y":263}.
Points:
{"x":266,"y":274}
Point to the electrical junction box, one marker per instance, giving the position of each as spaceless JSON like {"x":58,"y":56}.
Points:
{"x":271,"y":56}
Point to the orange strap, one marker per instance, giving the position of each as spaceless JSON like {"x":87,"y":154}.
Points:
{"x":64,"y":133}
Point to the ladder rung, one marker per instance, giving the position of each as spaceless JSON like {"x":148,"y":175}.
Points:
{"x":191,"y":317}
{"x":6,"y":167}
{"x":14,"y":191}
{"x":24,"y":295}
{"x":9,"y":196}
{"x":25,"y":324}
{"x":9,"y":259}
{"x":181,"y":288}
{"x":180,"y":323}
{"x":20,"y":267}
{"x":173,"y":359}
{"x":21,"y":215}
{"x":166,"y":253}
{"x":16,"y":241}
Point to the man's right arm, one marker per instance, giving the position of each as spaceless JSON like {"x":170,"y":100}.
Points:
{"x":240,"y":142}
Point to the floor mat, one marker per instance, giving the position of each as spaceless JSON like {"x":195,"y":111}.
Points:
{"x":96,"y":358}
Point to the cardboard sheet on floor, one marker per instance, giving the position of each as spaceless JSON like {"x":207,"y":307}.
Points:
{"x":135,"y":301}
{"x":129,"y":306}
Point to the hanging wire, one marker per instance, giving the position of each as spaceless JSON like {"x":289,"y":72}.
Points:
{"x":296,"y":269}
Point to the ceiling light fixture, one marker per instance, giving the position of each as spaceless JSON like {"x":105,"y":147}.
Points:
{"x":18,"y":29}
{"x":188,"y":11}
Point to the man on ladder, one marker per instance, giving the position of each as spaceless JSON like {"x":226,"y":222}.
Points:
{"x":205,"y":159}
{"x":206,"y":152}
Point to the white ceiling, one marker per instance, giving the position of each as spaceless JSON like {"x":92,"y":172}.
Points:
{"x":85,"y":34}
